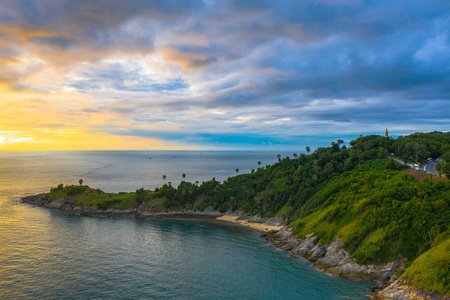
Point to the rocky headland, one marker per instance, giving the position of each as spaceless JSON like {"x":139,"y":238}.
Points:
{"x":331,"y":258}
{"x":137,"y":213}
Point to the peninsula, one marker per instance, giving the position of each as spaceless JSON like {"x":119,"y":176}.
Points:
{"x":353,"y":211}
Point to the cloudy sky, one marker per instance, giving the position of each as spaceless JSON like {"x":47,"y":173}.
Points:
{"x":100,"y":74}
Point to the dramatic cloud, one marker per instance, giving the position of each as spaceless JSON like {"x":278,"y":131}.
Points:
{"x":220,"y":74}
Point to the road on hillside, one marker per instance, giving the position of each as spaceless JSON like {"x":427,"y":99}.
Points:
{"x":397,"y":160}
{"x":430,"y":167}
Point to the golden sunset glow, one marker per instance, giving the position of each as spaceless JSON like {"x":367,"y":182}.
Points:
{"x":215,"y":75}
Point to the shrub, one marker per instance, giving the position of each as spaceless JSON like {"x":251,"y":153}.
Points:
{"x":73,"y":190}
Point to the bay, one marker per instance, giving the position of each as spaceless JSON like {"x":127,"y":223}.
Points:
{"x":47,"y":254}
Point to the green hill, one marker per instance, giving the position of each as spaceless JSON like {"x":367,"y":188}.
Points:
{"x":355,"y":193}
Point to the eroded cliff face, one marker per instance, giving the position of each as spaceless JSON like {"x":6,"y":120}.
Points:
{"x":332,"y":258}
{"x":399,"y":290}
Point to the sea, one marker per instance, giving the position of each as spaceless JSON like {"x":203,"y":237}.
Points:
{"x":48,"y":254}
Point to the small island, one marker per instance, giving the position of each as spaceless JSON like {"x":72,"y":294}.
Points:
{"x":355,"y":211}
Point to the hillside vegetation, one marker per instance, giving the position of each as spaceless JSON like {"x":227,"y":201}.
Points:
{"x":355,"y":193}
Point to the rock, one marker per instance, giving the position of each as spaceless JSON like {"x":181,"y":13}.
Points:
{"x":399,"y":290}
{"x":331,"y":258}
{"x":317,"y":252}
{"x":273,"y":222}
{"x":255,"y":219}
{"x":58,"y":203}
{"x":39,"y":200}
{"x":304,"y":247}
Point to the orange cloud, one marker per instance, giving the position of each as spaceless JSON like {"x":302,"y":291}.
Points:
{"x":190,"y":61}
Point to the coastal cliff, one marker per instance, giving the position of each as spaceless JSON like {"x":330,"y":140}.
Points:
{"x":355,"y":212}
{"x":331,"y":258}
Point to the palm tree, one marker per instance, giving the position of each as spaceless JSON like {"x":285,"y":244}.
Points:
{"x":183,"y":175}
{"x":196,"y":183}
{"x":164,"y":177}
{"x":259,"y":164}
{"x":279,"y":157}
{"x":307,"y":149}
{"x":170,"y":183}
{"x":80,"y":181}
{"x":237,"y":171}
{"x":295,"y":155}
{"x":340,"y":142}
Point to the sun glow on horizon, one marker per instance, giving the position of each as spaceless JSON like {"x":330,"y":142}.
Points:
{"x":217,"y":74}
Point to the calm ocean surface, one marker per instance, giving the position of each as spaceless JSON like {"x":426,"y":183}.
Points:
{"x":46,"y":254}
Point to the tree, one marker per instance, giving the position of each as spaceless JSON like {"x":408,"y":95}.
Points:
{"x":139,"y":196}
{"x":164,"y":177}
{"x":279,"y":157}
{"x":390,"y":164}
{"x":80,"y":181}
{"x":340,"y":142}
{"x":334,"y":147}
{"x":315,"y":178}
{"x":295,"y":155}
{"x":329,"y":168}
{"x":307,"y":149}
{"x":196,"y":183}
{"x":237,"y":171}
{"x":259,"y":164}
{"x":446,"y":169}
{"x":183,"y":175}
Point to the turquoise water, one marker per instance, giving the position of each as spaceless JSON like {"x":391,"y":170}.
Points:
{"x":46,"y":254}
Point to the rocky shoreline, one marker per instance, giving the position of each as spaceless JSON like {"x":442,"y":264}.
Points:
{"x":332,"y":258}
{"x":44,"y":201}
{"x":399,"y":290}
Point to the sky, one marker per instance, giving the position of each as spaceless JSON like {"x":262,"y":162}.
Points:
{"x":243,"y":75}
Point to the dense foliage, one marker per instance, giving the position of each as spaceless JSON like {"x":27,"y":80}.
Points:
{"x":431,"y":270}
{"x":355,"y":193}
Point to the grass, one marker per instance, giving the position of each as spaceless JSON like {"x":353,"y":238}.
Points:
{"x":85,"y":196}
{"x":431,"y":270}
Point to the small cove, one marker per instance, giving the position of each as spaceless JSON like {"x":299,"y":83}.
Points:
{"x":49,"y":254}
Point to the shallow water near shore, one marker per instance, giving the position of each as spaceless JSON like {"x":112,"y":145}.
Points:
{"x":47,"y":254}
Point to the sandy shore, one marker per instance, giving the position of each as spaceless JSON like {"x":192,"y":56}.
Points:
{"x":259,"y":226}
